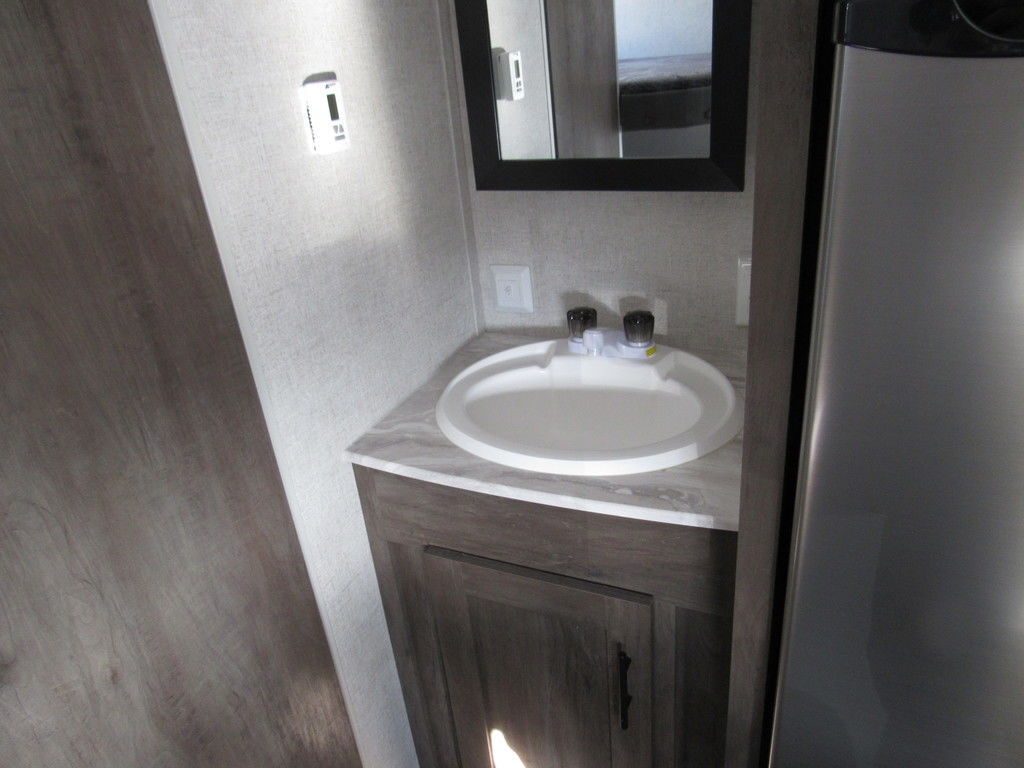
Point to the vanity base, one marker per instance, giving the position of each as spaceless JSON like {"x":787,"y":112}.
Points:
{"x":569,"y":637}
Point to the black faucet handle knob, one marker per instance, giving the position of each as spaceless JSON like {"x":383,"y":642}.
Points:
{"x":580,"y":319}
{"x":639,"y":328}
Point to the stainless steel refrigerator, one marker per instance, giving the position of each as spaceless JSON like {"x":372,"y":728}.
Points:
{"x":903,"y":640}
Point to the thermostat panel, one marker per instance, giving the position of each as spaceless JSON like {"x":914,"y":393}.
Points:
{"x":325,"y":111}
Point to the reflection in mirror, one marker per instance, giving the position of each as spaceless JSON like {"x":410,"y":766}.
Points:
{"x":602,"y":78}
{"x":525,"y":122}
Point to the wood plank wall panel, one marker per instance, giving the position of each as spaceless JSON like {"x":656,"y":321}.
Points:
{"x":154,"y":606}
{"x":584,"y":77}
{"x":786,"y":34}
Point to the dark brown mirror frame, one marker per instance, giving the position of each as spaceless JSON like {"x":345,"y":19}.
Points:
{"x":723,"y":171}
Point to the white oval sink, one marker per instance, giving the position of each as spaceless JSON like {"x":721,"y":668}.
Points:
{"x":544,"y":408}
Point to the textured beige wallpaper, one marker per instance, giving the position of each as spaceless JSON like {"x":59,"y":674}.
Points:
{"x":349,"y":272}
{"x":672,"y":252}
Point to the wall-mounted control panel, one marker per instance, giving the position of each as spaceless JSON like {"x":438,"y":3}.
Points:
{"x":325,"y":112}
{"x":508,"y":75}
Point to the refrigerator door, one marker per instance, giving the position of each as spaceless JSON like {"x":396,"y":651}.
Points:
{"x":904,"y":636}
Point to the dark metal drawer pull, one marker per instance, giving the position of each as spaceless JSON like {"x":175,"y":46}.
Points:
{"x":624,"y":697}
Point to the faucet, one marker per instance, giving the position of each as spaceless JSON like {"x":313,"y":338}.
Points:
{"x":635,"y":340}
{"x":593,"y":341}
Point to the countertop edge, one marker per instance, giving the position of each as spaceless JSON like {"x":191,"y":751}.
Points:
{"x":612,"y":509}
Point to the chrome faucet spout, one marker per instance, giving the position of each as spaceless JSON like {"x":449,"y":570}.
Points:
{"x":593,"y":341}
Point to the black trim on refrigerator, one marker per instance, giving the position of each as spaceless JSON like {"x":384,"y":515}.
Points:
{"x":954,"y":28}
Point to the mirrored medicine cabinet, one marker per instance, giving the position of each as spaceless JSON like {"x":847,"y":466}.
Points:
{"x":606,"y":94}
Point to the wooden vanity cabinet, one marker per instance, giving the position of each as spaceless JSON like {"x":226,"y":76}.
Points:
{"x":557,"y":669}
{"x":573,"y":639}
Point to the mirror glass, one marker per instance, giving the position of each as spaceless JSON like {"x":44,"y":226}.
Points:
{"x":601,"y":78}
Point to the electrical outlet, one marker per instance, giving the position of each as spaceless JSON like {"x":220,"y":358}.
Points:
{"x":513,"y":289}
{"x":743,"y":291}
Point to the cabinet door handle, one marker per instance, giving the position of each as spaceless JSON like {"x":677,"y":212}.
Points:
{"x":624,"y":697}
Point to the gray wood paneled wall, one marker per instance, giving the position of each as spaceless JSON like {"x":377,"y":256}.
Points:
{"x":785,"y":39}
{"x":155,"y":610}
{"x":584,"y":77}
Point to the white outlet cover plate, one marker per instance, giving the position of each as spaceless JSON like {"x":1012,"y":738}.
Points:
{"x":513,"y":289}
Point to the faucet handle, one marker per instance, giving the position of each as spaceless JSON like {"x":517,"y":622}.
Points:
{"x":580,"y":319}
{"x":639,"y":328}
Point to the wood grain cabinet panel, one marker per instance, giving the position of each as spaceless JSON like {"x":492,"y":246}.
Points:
{"x":508,"y":616}
{"x":556,"y":671}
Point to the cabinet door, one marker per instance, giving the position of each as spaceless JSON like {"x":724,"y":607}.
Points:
{"x":543,"y":671}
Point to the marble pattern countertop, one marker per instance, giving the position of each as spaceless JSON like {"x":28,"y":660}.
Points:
{"x":407,"y":442}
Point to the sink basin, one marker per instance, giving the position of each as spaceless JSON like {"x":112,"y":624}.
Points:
{"x":543,"y":408}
